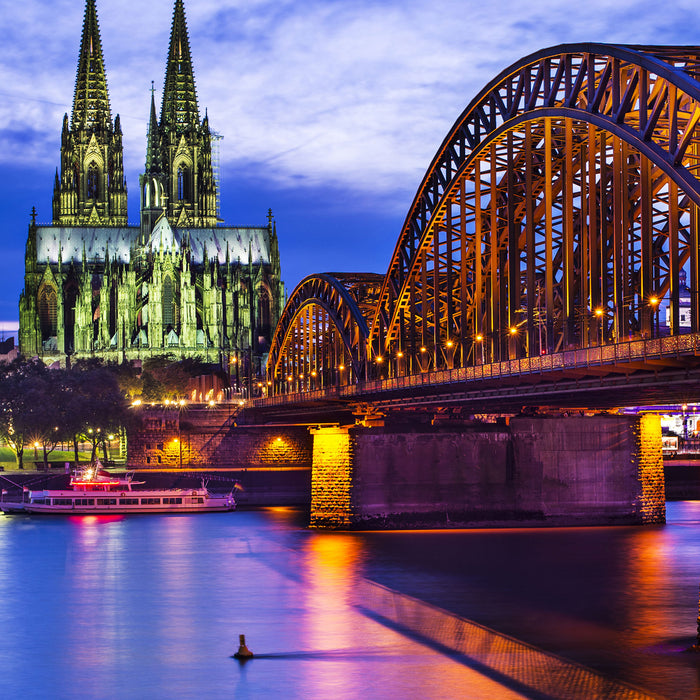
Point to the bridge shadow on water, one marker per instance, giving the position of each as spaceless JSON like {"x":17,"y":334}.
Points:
{"x":512,"y":664}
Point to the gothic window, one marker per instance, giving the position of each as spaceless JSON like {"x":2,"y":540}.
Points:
{"x":168,"y":303}
{"x":183,"y":184}
{"x":70,"y":300}
{"x":264,"y":308}
{"x":47,"y":311}
{"x":93,"y":181}
{"x":113,"y":309}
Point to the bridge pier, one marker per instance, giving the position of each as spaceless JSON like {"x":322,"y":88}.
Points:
{"x":563,"y":470}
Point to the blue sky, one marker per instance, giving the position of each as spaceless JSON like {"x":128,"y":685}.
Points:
{"x":331,"y":110}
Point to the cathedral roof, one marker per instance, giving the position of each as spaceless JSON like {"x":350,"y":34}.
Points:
{"x":236,"y":241}
{"x":239,"y":241}
{"x":94,"y":241}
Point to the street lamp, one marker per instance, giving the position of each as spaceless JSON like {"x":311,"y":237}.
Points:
{"x":480,"y":339}
{"x":600,"y":315}
{"x":654,"y":302}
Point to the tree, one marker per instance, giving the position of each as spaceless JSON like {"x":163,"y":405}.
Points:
{"x":46,"y":406}
{"x":98,"y":407}
{"x":166,"y":378}
{"x":21,"y":400}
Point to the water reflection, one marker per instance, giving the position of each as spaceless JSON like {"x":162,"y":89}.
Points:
{"x":152,"y":607}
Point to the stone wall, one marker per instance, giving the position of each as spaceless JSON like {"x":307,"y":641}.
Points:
{"x":197,"y":437}
{"x":557,"y":471}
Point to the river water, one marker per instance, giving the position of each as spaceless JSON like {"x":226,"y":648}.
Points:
{"x":152,"y":606}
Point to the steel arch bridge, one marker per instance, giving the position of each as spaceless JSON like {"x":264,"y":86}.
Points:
{"x":557,"y":214}
{"x":321,"y":338}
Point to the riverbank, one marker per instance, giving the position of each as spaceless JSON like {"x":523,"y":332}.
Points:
{"x":254,"y":487}
{"x":290,"y":486}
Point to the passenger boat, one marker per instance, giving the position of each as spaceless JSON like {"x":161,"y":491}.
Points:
{"x":95,"y":491}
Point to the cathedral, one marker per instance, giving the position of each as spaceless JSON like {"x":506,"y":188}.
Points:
{"x":178,"y":283}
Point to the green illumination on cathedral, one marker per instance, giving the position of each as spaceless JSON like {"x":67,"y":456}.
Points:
{"x":178,"y":283}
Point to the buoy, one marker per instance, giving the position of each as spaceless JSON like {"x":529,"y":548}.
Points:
{"x":243,"y":651}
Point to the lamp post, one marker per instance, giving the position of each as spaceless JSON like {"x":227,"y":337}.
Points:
{"x":600,"y":315}
{"x":654,"y":304}
{"x":480,"y":340}
{"x":513,"y":335}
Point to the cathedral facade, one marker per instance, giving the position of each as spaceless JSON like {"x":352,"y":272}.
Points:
{"x":179,"y":282}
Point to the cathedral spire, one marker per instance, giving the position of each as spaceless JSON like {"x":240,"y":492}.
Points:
{"x":90,"y":100}
{"x":91,"y":189}
{"x":179,"y":112}
{"x":152,"y":146}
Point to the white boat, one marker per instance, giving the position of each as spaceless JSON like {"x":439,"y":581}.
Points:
{"x":94,"y":491}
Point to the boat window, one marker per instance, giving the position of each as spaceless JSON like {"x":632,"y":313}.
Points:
{"x":128,"y":501}
{"x":106,"y":501}
{"x":197,"y":500}
{"x":38,"y":500}
{"x":150,"y":501}
{"x":172,"y":500}
{"x":84,"y":501}
{"x":63,"y":501}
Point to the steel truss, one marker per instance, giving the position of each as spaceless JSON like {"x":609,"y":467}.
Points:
{"x":557,"y":214}
{"x":321,"y":338}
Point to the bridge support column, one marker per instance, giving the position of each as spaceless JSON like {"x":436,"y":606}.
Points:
{"x":332,"y":487}
{"x":576,"y":470}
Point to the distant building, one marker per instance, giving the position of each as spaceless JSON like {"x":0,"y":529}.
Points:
{"x":179,"y":282}
{"x":683,"y":302}
{"x":8,"y":350}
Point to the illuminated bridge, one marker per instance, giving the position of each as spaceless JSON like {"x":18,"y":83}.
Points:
{"x":544,"y":244}
{"x":541,"y":263}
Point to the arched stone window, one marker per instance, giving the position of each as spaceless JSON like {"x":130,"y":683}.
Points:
{"x":92,"y":185}
{"x":47,"y":303}
{"x":264,"y":311}
{"x":113,"y":310}
{"x":183,"y":183}
{"x":168,"y":302}
{"x":70,"y":300}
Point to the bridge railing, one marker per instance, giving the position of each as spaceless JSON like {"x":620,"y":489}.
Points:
{"x":625,"y":353}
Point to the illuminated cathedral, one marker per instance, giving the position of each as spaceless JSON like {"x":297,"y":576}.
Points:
{"x":179,"y":282}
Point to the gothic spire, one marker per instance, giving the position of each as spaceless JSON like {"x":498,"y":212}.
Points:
{"x":179,"y":112}
{"x":91,"y":100}
{"x":153,"y":146}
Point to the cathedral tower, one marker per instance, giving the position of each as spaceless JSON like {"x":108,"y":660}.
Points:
{"x":179,"y":173}
{"x":180,"y":284}
{"x":90,"y":188}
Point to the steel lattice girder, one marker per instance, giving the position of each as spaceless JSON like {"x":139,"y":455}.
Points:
{"x":325,"y":312}
{"x":640,"y":106}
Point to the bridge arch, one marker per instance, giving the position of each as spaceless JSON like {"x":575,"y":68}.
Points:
{"x":559,"y":212}
{"x":321,"y":337}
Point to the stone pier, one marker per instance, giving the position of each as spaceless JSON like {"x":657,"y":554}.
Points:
{"x":575,"y":470}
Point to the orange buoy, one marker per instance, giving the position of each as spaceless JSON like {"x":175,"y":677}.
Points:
{"x":243,"y":651}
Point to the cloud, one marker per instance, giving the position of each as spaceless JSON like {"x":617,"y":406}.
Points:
{"x":331,"y":109}
{"x":352,"y":94}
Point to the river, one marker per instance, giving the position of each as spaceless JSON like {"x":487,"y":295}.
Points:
{"x":152,"y":607}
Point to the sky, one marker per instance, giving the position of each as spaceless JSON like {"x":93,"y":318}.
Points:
{"x":330,"y":110}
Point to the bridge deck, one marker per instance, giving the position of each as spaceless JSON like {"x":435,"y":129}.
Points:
{"x":597,"y":377}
